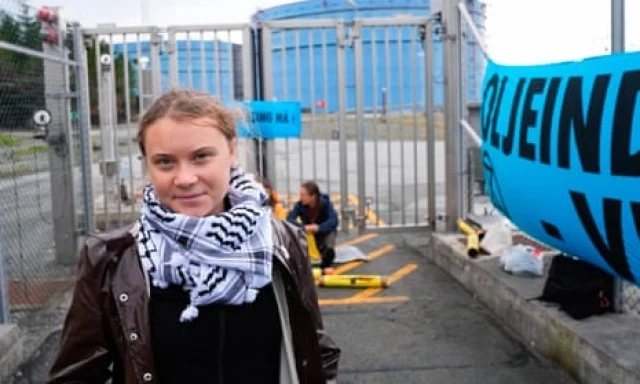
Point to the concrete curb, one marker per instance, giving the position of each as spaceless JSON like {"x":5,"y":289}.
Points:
{"x":12,"y":354}
{"x":22,"y":341}
{"x":600,"y":349}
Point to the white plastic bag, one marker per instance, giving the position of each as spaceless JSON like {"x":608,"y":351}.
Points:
{"x":522,"y":260}
{"x":497,"y":237}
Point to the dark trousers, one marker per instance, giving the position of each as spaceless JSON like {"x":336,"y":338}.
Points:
{"x":327,"y":246}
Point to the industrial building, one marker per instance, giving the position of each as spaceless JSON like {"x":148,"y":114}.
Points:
{"x":304,"y":61}
{"x":393,"y":58}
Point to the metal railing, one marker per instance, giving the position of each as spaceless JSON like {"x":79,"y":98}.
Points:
{"x":42,"y":135}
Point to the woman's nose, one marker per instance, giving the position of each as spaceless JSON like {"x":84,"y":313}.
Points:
{"x":185,"y":177}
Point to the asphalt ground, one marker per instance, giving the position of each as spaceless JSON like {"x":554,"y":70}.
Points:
{"x":423,"y":328}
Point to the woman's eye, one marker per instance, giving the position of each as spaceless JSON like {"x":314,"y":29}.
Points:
{"x":202,"y":156}
{"x":163,"y":162}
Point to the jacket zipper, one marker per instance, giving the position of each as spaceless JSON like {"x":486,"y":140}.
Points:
{"x":221,"y":329}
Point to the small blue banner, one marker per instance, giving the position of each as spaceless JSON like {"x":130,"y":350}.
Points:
{"x":271,"y":120}
{"x":561,"y":155}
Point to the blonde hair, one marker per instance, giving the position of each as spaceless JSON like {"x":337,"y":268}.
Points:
{"x":188,"y":105}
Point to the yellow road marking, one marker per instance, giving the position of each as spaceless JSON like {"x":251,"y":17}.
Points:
{"x":358,"y":240}
{"x":400,"y":273}
{"x":366,"y":300}
{"x":371,"y":256}
{"x":397,"y":275}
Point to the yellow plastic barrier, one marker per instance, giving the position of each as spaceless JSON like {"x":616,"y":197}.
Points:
{"x":317,"y":272}
{"x":314,"y":253}
{"x":474,"y":234}
{"x":353,"y":281}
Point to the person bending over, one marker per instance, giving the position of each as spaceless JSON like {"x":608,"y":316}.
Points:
{"x":319,"y":218}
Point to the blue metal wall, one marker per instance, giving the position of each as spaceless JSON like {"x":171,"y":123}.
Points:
{"x":201,"y":65}
{"x":302,"y":72}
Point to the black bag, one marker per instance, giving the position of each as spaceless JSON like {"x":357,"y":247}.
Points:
{"x":581,"y":289}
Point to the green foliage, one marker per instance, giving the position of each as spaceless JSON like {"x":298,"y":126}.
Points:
{"x":119,"y":66}
{"x":21,"y":76}
{"x":9,"y":140}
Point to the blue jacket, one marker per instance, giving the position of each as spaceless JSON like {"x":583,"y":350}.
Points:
{"x":327,"y":219}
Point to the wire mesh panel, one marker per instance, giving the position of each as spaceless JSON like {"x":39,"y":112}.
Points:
{"x":390,"y":80}
{"x":39,"y":157}
{"x":304,"y":62}
{"x":361,"y":89}
{"x":123,"y":67}
{"x":631,"y":298}
{"x":128,"y":68}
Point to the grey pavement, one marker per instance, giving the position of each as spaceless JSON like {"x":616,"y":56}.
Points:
{"x":441,"y":335}
{"x":599,"y":349}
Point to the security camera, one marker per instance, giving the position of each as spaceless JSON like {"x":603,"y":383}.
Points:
{"x":42,"y":118}
{"x":105,"y":60}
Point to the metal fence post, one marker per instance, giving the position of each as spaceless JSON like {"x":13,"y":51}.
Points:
{"x":266,"y":76}
{"x":361,"y":218}
{"x":60,"y":160}
{"x":107,"y":113}
{"x":617,"y":45}
{"x":431,"y":126}
{"x":249,"y":80}
{"x":82,"y":92}
{"x":451,"y":21}
{"x":341,"y":44}
{"x":5,"y":316}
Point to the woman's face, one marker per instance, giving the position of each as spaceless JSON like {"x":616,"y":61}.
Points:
{"x":189,"y":164}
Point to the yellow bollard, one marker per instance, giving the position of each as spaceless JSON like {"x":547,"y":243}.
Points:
{"x":473,"y":245}
{"x":314,"y":253}
{"x":474,"y":232}
{"x":317,"y":272}
{"x":352,"y":281}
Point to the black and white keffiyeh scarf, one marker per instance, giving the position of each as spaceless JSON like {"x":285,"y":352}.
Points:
{"x":224,"y":258}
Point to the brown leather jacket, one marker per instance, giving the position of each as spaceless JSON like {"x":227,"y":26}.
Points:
{"x":108,"y":320}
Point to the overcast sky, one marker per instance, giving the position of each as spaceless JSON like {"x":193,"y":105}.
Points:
{"x":518,"y":31}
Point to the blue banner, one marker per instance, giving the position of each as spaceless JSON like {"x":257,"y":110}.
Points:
{"x":271,"y":120}
{"x":561,"y":155}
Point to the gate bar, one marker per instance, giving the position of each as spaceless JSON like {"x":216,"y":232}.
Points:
{"x":431,"y":128}
{"x":344,"y":185}
{"x":360,"y":128}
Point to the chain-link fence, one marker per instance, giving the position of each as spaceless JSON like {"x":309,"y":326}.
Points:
{"x":39,"y":162}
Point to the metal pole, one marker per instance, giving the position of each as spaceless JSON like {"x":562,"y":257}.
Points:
{"x":60,"y":163}
{"x":472,"y":27}
{"x":431,"y":129}
{"x":156,"y":84}
{"x":359,"y":66}
{"x":453,"y":113}
{"x":617,"y":45}
{"x":5,"y":315}
{"x":107,"y":128}
{"x":617,"y":26}
{"x":173,"y":60}
{"x":82,"y":91}
{"x":248,"y":88}
{"x":342,"y":106}
{"x":268,"y":146}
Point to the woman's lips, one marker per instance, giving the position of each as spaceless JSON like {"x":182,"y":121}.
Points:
{"x":188,"y":198}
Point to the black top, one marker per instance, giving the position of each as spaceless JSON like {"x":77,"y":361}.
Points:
{"x":224,"y":344}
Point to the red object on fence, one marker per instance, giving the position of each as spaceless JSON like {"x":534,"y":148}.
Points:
{"x":47,"y":15}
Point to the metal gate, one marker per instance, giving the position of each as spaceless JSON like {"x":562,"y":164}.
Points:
{"x":128,"y":68}
{"x":365,"y":138}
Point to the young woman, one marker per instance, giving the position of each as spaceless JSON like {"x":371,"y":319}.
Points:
{"x":205,"y":287}
{"x":319,"y":218}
